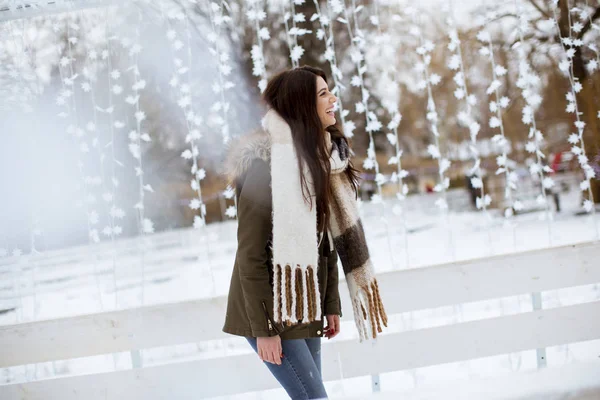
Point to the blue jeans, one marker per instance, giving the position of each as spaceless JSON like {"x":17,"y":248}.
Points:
{"x":300,"y":369}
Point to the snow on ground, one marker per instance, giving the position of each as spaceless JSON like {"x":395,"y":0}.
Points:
{"x":187,"y":264}
{"x":545,"y":384}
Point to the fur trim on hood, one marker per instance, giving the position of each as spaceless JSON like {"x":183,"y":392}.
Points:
{"x":245,"y":149}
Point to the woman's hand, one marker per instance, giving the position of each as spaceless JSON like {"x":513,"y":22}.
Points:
{"x":333,"y":326}
{"x":269,"y":349}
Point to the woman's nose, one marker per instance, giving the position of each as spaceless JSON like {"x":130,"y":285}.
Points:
{"x":333,"y":99}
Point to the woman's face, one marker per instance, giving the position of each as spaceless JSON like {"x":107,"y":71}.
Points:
{"x":325,"y":102}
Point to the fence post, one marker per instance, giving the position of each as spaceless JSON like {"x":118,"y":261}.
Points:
{"x":136,"y":359}
{"x":536,"y":300}
{"x":375,"y":383}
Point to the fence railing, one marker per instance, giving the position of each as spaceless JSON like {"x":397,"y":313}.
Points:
{"x":407,"y":290}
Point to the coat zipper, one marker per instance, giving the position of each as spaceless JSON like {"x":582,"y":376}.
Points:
{"x":269,"y":323}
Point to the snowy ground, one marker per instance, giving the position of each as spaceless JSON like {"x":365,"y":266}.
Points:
{"x":544,"y":384}
{"x":187,"y":264}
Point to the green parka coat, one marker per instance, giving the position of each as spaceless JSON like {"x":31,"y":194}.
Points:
{"x":250,"y":300}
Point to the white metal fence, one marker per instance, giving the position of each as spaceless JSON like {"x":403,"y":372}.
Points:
{"x":407,"y":290}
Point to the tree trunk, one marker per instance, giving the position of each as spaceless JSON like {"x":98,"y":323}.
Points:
{"x":586,"y":99}
{"x":591,"y":134}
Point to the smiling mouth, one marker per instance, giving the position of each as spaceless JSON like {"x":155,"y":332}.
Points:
{"x":330,"y":112}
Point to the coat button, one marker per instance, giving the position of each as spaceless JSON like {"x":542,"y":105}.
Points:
{"x":318,"y":332}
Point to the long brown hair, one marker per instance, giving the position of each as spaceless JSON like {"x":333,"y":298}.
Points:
{"x":293,"y":95}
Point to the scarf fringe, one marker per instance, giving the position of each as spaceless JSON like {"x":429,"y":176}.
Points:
{"x":369,"y":313}
{"x":296,"y":297}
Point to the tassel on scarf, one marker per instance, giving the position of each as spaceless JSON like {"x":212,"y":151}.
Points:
{"x":369,"y":313}
{"x":296,"y":295}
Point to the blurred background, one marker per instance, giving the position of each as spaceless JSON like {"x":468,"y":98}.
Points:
{"x":72,"y":81}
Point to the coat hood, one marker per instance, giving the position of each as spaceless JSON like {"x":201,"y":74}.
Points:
{"x":245,"y":149}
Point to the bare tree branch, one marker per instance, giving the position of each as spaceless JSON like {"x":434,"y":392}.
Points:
{"x":499,"y":17}
{"x":541,"y":39}
{"x":545,"y":13}
{"x":588,"y":24}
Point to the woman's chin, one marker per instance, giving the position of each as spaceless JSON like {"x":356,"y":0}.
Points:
{"x":328,"y":121}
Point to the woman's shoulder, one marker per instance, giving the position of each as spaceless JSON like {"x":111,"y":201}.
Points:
{"x":255,"y":184}
{"x":248,"y":153}
{"x":248,"y":167}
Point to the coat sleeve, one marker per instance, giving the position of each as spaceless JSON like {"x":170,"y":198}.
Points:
{"x":254,"y":231}
{"x":333,"y":305}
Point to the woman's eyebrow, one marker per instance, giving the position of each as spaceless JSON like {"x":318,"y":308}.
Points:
{"x":322,"y":90}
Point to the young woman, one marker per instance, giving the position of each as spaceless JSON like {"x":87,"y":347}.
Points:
{"x":296,"y":195}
